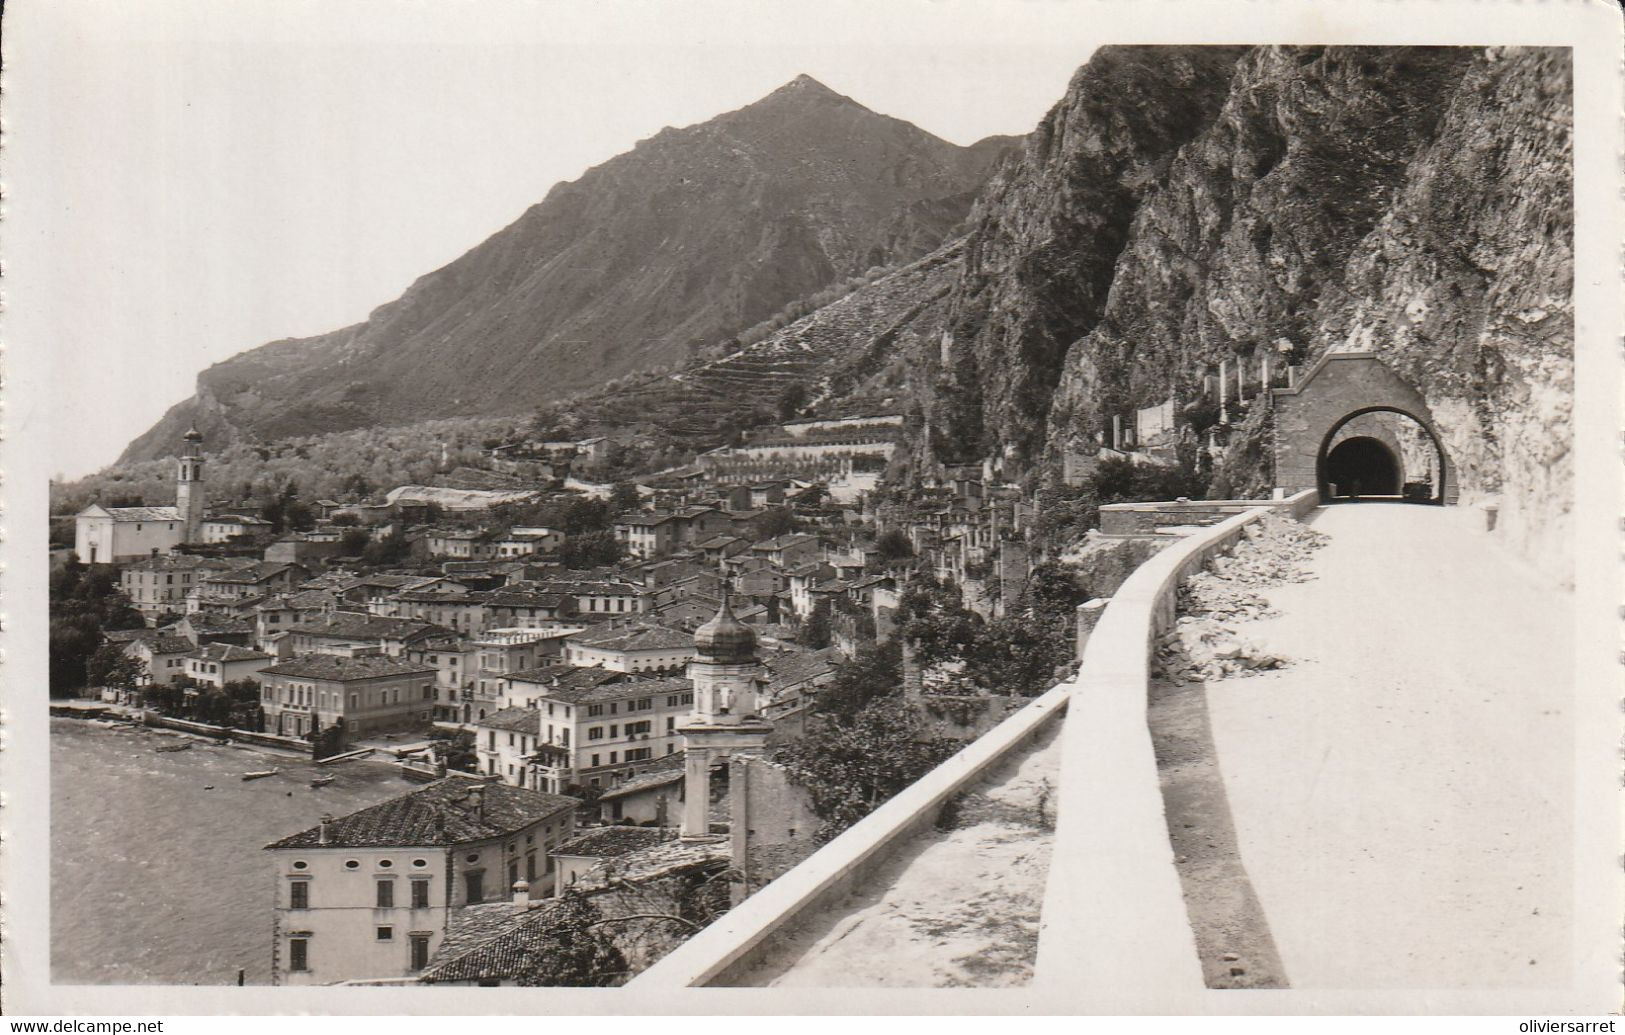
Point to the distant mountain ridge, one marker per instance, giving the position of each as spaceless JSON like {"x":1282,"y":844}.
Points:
{"x":692,"y":236}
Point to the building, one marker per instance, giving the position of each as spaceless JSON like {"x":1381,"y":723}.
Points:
{"x":631,"y":646}
{"x":369,"y":694}
{"x":109,"y":535}
{"x":726,"y":721}
{"x":251,"y":582}
{"x":345,"y":632}
{"x":591,"y":727}
{"x":162,"y":658}
{"x":226,"y":527}
{"x":220,"y":663}
{"x":191,"y":499}
{"x":651,"y":797}
{"x":646,"y":534}
{"x":112,"y":535}
{"x":159,"y":585}
{"x":586,"y":852}
{"x":371,"y":894}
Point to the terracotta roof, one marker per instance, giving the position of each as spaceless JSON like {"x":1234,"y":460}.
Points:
{"x":492,"y":941}
{"x":607,"y":842}
{"x":636,"y":636}
{"x":332,"y":666}
{"x":351,"y":625}
{"x":143,"y":513}
{"x":514,"y":720}
{"x":649,"y":779}
{"x":178,"y":561}
{"x":253,"y":573}
{"x":228,"y":652}
{"x":448,"y":812}
{"x":164,"y":644}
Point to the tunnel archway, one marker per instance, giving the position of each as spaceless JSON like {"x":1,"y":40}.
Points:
{"x":1312,"y":416}
{"x":1365,"y":467}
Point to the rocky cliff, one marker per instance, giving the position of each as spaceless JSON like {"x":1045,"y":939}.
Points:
{"x":694,"y":235}
{"x":1186,"y":206}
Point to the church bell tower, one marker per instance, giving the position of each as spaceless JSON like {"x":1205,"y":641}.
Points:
{"x":190,"y":500}
{"x":725,"y":671}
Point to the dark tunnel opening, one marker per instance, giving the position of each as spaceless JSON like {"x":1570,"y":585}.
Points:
{"x":1362,"y":466}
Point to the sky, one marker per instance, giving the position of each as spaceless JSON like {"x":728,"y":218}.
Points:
{"x":187,"y":179}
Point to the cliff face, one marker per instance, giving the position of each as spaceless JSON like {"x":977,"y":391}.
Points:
{"x":695,"y":234}
{"x":1414,"y":201}
{"x":1466,"y":290}
{"x":1046,"y":235}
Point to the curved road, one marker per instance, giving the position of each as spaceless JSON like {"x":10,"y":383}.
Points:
{"x":1403,"y":792}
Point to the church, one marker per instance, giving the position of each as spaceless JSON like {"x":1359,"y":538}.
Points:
{"x":113,"y":535}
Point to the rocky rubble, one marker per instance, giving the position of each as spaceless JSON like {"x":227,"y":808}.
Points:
{"x":1204,"y":644}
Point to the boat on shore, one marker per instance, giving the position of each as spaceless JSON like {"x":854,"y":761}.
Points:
{"x":262,"y":774}
{"x":322,"y":781}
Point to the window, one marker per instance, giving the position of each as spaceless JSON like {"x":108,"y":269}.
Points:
{"x":530,"y":867}
{"x":671,"y":723}
{"x":298,"y":954}
{"x":386,"y":894}
{"x":420,"y":951}
{"x":386,"y":934}
{"x":634,"y":728}
{"x":474,"y":884}
{"x":596,"y":733}
{"x":299,"y":894}
{"x":595,"y":760}
{"x":612,"y":757}
{"x":420,"y":894}
{"x":638,"y":754}
{"x":593,"y":710}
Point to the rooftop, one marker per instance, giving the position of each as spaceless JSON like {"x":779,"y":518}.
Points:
{"x":492,"y":941}
{"x":448,"y":812}
{"x":634,"y":636}
{"x":228,"y":652}
{"x":607,"y":842}
{"x":350,"y":625}
{"x":332,"y":666}
{"x":514,"y":720}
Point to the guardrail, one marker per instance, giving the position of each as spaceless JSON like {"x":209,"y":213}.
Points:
{"x":1114,"y":912}
{"x":735,"y":942}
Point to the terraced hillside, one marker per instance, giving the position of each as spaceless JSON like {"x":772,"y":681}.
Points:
{"x":848,"y":353}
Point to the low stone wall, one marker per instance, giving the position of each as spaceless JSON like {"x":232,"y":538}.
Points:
{"x":1152,"y":518}
{"x":203,"y":729}
{"x":735,"y":942}
{"x":1114,"y":910}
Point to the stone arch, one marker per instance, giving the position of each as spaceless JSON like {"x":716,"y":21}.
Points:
{"x":1323,"y":471}
{"x":1340,"y":387}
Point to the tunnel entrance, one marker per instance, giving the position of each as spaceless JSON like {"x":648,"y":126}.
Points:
{"x":1349,"y":395}
{"x":1362,"y":466}
{"x":1381,"y":453}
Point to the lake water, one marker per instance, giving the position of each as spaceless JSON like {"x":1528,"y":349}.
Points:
{"x":155,"y":880}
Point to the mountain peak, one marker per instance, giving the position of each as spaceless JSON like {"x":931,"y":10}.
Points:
{"x":805,"y":88}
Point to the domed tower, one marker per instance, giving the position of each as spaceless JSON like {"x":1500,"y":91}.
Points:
{"x":725,"y":671}
{"x":190,"y":501}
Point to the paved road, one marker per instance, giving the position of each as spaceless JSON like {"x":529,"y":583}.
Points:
{"x":1403,"y":794}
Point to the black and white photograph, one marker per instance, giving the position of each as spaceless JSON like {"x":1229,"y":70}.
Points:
{"x":910,"y":507}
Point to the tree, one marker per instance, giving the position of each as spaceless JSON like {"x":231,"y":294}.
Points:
{"x":353,"y":543}
{"x":590,"y":550}
{"x":875,"y":672}
{"x":391,"y":549}
{"x":894,"y":545}
{"x":110,"y":666}
{"x":72,"y":641}
{"x":571,"y":948}
{"x":791,"y":400}
{"x":1017,"y":655}
{"x":814,"y":632}
{"x":774,"y":522}
{"x":850,"y":768}
{"x":623,"y":497}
